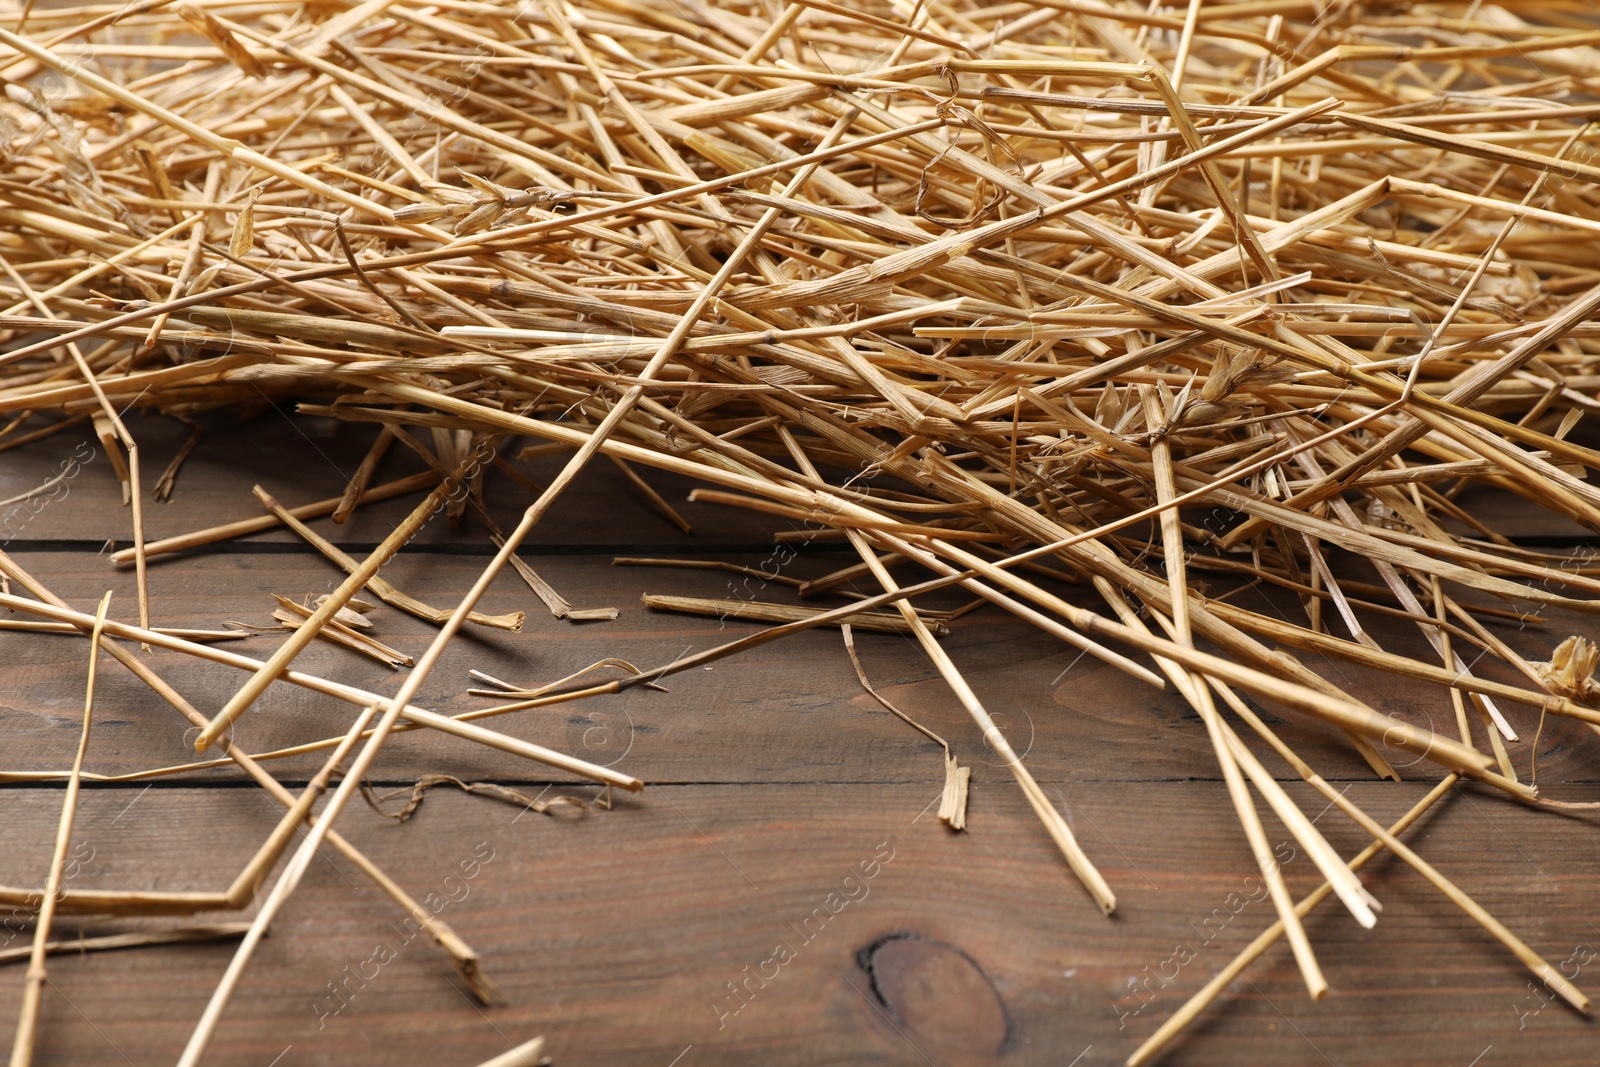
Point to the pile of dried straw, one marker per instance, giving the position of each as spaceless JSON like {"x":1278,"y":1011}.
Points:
{"x":1111,"y":294}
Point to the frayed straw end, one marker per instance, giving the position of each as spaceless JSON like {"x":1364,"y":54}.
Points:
{"x":953,"y":805}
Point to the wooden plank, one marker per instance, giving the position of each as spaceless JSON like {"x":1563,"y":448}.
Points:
{"x":312,"y":459}
{"x":791,"y":711}
{"x":787,"y":712}
{"x":616,"y":934}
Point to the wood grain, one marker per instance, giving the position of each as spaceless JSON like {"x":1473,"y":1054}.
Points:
{"x":773,"y":779}
{"x":786,"y":712}
{"x":617,"y":933}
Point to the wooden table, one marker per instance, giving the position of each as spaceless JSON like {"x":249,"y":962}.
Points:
{"x":722,"y":916}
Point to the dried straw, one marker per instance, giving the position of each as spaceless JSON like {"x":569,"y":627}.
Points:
{"x":1028,"y":298}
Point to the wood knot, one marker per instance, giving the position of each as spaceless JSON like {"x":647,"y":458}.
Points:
{"x":936,"y":992}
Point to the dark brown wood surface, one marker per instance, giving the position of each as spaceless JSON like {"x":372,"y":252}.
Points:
{"x":772,"y":781}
